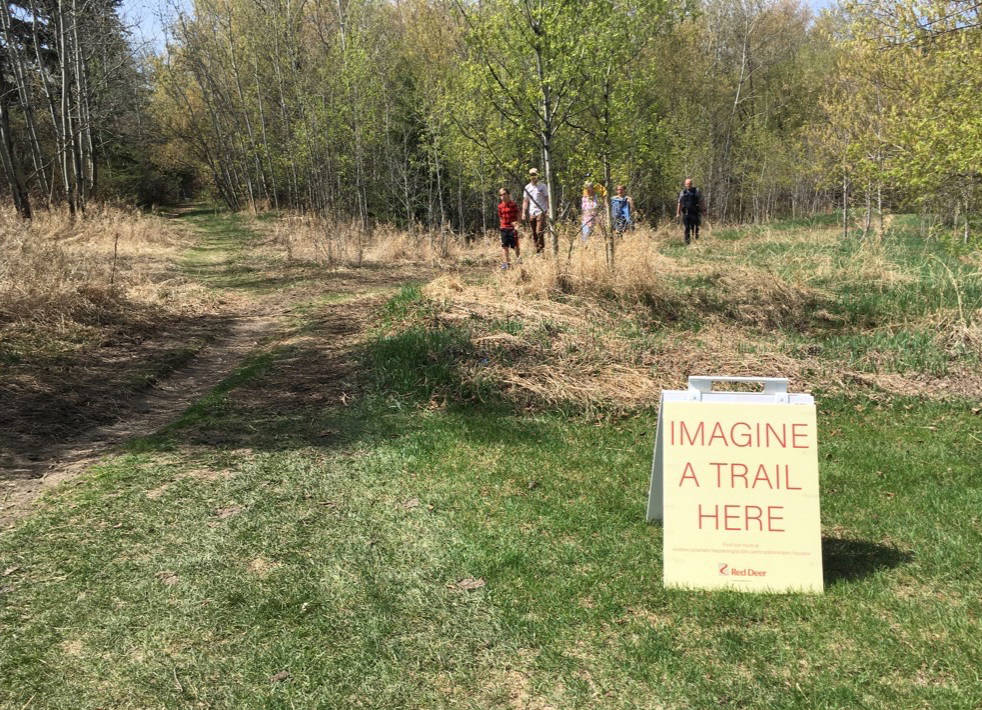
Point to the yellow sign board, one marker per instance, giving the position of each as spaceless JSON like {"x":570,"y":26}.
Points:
{"x":739,"y":490}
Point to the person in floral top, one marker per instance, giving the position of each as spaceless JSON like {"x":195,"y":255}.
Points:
{"x":589,"y":204}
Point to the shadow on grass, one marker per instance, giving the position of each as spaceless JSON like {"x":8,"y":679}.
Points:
{"x":51,"y":397}
{"x":328,"y":387}
{"x":846,"y":560}
{"x":275,"y":399}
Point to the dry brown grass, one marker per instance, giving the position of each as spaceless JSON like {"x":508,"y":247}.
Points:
{"x":565,"y":352}
{"x":602,"y":339}
{"x":611,"y":339}
{"x":327,"y":241}
{"x":585,"y":353}
{"x":55,"y":270}
{"x":581,"y":355}
{"x":582,"y":268}
{"x":646,"y":277}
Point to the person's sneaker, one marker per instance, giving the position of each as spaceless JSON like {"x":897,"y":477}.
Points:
{"x":504,"y":267}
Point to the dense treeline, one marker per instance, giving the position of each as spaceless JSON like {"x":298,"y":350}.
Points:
{"x":73,"y":106}
{"x":902,"y":108}
{"x":415,"y":111}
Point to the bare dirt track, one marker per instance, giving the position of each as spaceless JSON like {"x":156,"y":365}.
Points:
{"x":53,"y":462}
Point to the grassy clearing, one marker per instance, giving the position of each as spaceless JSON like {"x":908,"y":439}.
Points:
{"x":448,"y":511}
{"x":280,"y":259}
{"x":180,"y":575}
{"x":225,"y":260}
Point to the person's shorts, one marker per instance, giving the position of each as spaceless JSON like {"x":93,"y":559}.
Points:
{"x":509,"y":239}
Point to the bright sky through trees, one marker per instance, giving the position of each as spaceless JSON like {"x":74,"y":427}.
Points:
{"x":145,"y":17}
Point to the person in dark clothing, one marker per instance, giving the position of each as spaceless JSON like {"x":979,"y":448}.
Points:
{"x":690,"y":209}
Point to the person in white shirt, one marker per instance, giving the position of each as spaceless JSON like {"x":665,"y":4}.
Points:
{"x":535,"y":209}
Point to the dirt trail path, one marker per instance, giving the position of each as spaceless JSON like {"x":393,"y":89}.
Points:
{"x":159,"y":406}
{"x":259,"y":290}
{"x":218,"y":253}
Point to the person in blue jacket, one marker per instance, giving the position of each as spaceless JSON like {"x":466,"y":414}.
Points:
{"x":622,"y":210}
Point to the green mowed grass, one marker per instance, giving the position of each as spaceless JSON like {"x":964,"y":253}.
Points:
{"x":180,"y":575}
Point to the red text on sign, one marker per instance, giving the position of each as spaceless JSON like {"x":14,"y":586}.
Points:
{"x":737,"y":475}
{"x":741,"y":518}
{"x":762,"y":435}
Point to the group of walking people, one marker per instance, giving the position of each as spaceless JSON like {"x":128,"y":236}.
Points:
{"x":535,"y":210}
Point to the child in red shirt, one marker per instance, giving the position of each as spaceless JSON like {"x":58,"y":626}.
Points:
{"x":507,"y":214}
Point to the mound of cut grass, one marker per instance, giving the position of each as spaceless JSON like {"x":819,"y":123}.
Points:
{"x":778,"y":302}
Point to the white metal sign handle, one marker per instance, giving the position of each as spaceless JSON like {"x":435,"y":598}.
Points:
{"x":772,"y":385}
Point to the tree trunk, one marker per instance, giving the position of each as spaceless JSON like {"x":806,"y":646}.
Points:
{"x":879,"y":206}
{"x":845,"y":204}
{"x":965,"y":240}
{"x":48,"y":95}
{"x":460,"y":204}
{"x":546,"y":132}
{"x":608,"y":227}
{"x":78,"y":140}
{"x":17,"y":65}
{"x":266,"y":151}
{"x":868,"y":218}
{"x":8,"y":157}
{"x":66,"y":128}
{"x":250,"y":148}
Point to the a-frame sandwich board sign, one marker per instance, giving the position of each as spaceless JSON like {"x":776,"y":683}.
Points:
{"x":734,"y":479}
